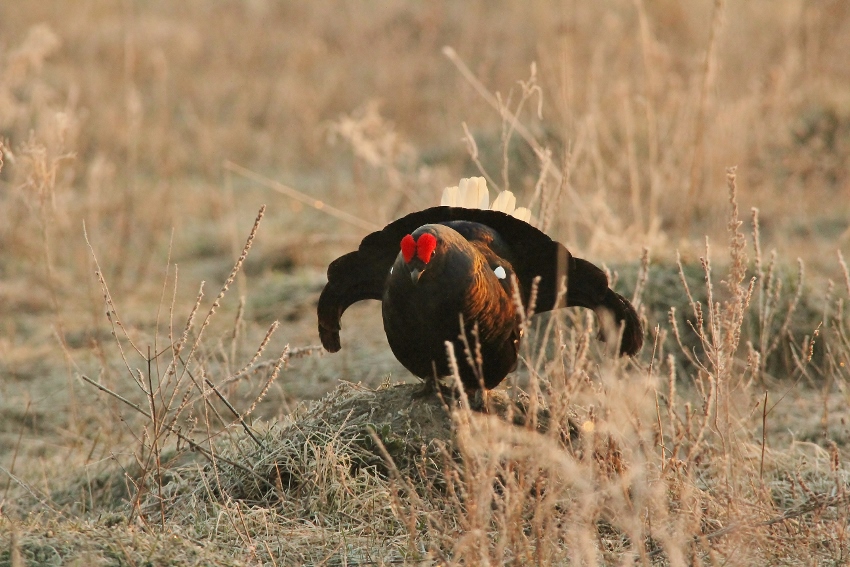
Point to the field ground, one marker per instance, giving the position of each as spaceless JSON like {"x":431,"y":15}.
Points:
{"x":139,"y":140}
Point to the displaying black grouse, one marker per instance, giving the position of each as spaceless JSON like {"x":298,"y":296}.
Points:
{"x":435,"y":268}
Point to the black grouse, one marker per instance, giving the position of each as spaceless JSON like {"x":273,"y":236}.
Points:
{"x":435,"y":268}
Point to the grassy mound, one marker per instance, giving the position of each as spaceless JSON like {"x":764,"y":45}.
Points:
{"x":337,"y":465}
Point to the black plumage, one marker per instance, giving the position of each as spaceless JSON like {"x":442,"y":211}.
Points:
{"x":468,"y":276}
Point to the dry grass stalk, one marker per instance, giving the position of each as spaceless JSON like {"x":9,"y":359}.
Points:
{"x":301,"y":197}
{"x":472,"y":150}
{"x":844,"y":271}
{"x":708,"y":77}
{"x":494,"y":102}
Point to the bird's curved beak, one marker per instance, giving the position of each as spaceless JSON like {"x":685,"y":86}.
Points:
{"x":415,"y":274}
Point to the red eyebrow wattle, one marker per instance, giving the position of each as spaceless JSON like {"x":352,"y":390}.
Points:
{"x":425,"y":246}
{"x":422,"y":249}
{"x":408,"y":248}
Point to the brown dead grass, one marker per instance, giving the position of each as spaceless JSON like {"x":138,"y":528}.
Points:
{"x":724,"y":443}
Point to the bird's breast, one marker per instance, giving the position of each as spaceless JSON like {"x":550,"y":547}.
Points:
{"x":432,"y":307}
{"x":419,"y":318}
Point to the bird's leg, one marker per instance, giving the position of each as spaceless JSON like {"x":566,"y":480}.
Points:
{"x":429,"y":388}
{"x":479,"y":400}
{"x":430,"y":385}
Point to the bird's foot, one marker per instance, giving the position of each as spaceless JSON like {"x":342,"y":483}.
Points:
{"x":429,"y":388}
{"x":479,"y":400}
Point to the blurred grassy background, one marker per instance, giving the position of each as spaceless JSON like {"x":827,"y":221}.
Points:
{"x":122,"y":115}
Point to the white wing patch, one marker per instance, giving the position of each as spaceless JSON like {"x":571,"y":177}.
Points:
{"x":391,"y":269}
{"x":500,"y":272}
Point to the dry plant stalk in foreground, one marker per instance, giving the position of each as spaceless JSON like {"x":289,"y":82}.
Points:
{"x":604,"y":462}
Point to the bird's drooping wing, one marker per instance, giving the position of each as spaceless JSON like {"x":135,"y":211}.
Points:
{"x":353,"y":277}
{"x":587,"y":286}
{"x":533,"y":254}
{"x":361,"y":274}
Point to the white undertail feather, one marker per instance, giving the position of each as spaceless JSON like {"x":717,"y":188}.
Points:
{"x":472,"y":193}
{"x":505,"y":202}
{"x":522,"y":214}
{"x":449,"y":197}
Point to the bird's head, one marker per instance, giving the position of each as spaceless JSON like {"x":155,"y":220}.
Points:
{"x":418,"y":249}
